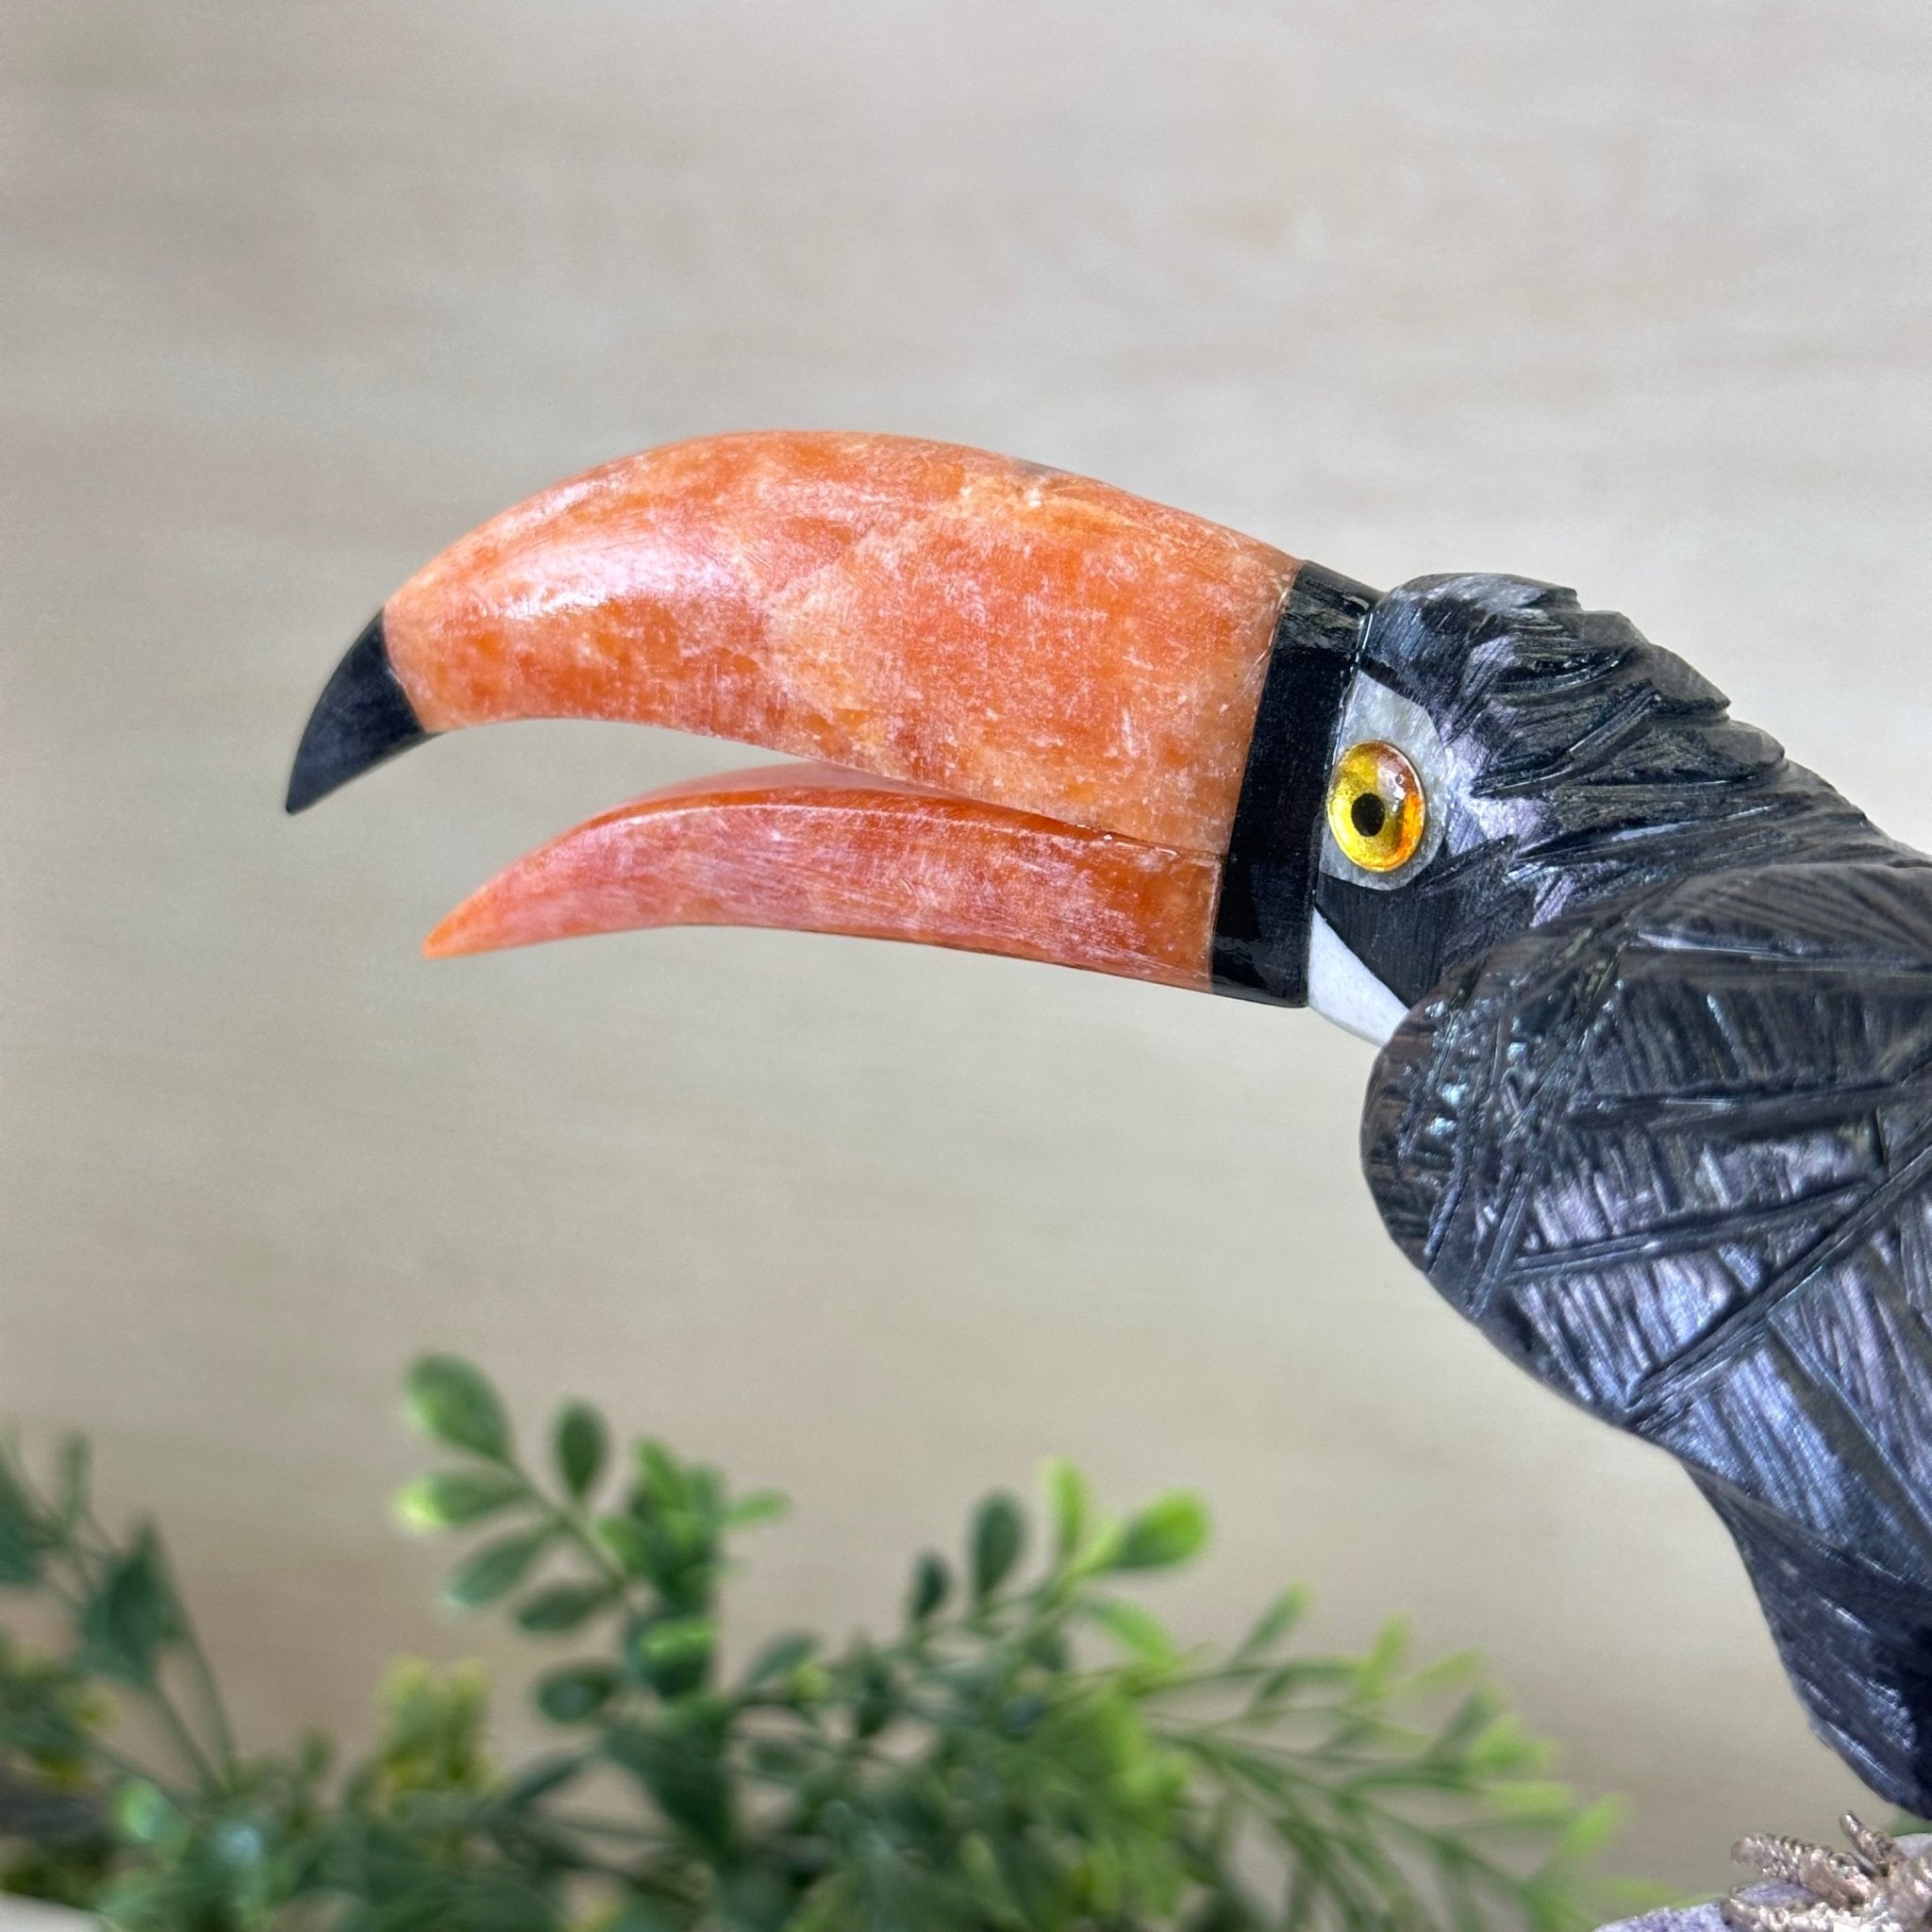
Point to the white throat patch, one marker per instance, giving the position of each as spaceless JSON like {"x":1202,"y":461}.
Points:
{"x":1341,"y":989}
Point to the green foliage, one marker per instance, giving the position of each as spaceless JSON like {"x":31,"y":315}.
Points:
{"x":1030,"y":1752}
{"x":451,"y":1403}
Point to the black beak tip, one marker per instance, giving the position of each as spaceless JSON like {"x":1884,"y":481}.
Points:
{"x":362,"y":717}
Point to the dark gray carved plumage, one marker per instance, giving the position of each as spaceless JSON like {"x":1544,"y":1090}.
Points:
{"x":1669,"y":1142}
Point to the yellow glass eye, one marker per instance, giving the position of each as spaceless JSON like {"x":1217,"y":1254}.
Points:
{"x":1376,"y":809}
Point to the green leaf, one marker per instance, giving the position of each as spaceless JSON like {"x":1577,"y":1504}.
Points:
{"x":706,"y":1495}
{"x":1455,"y":1671}
{"x":1531,"y":1801}
{"x":621,"y":1539}
{"x":758,"y":1506}
{"x":670,"y":1653}
{"x":999,"y":1534}
{"x":1386,"y":1657}
{"x":575,"y":1693}
{"x":23,"y":1535}
{"x":682,"y":1773}
{"x":1046,"y":1645}
{"x":145,"y":1815}
{"x":779,"y":1659}
{"x":453,"y":1403}
{"x":662,"y":1475}
{"x":1274,"y":1624}
{"x":1592,"y":1829}
{"x":495,"y":1569}
{"x":1068,"y":1500}
{"x":1170,"y":1530}
{"x":133,"y":1615}
{"x":1463,"y":1725}
{"x":932,"y":1582}
{"x":582,"y":1445}
{"x":1304,"y":1673}
{"x":1134,"y":1628}
{"x":1503,"y":1747}
{"x":876,"y":1698}
{"x":315,"y":1754}
{"x":76,"y":1465}
{"x":450,"y":1498}
{"x":561,"y":1606}
{"x":542,"y":1777}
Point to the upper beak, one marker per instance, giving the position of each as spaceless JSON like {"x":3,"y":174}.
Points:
{"x":1029,"y":698}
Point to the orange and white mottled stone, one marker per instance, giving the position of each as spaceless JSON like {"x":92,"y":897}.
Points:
{"x":811,"y":848}
{"x":957,"y":621}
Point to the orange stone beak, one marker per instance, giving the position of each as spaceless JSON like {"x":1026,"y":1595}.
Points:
{"x":1027,"y":697}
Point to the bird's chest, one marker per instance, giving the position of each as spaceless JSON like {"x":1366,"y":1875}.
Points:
{"x":1687,"y":1184}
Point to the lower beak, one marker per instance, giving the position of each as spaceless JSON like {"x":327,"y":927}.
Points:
{"x":1029,"y":699}
{"x":816,"y":849}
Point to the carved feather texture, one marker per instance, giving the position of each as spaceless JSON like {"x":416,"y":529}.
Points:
{"x":1675,"y":1157}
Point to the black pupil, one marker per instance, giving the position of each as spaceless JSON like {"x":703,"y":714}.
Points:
{"x":1368,"y":814}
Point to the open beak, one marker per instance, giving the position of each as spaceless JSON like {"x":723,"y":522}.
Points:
{"x":1028,"y":699}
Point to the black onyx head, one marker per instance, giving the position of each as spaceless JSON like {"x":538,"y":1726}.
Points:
{"x":1564,"y":759}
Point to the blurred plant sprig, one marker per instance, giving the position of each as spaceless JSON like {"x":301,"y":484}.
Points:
{"x":1030,"y":1750}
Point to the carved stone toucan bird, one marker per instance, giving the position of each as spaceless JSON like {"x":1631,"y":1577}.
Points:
{"x":1653,"y":1103}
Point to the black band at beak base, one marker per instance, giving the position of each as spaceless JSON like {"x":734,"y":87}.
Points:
{"x":1265,"y":912}
{"x":363,"y":716}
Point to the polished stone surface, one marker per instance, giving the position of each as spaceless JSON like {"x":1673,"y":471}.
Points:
{"x":1638,"y":298}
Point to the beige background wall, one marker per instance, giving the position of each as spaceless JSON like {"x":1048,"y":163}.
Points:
{"x":1634,"y":296}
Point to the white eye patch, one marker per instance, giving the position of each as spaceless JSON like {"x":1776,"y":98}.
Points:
{"x":1373,"y":713}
